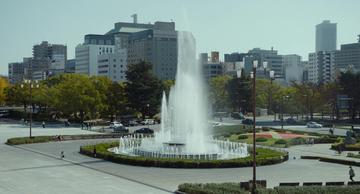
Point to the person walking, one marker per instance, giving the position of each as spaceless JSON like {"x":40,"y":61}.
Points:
{"x":62,"y":156}
{"x":94,"y":151}
{"x":351,"y":174}
{"x":43,"y":124}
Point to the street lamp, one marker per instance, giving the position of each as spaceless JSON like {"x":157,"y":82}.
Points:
{"x":239,"y":66}
{"x":272,"y":77}
{"x":282,"y":111}
{"x":148,"y":110}
{"x":253,"y":75}
{"x":265,"y":64}
{"x":31,"y":85}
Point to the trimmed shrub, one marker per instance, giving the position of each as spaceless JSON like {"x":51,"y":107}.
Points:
{"x":281,"y":141}
{"x":28,"y":140}
{"x":297,"y":141}
{"x":264,"y":157}
{"x":234,"y":188}
{"x":261,"y":139}
{"x":352,"y":155}
{"x":243,"y":137}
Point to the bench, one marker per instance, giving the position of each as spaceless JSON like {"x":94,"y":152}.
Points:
{"x":334,"y":183}
{"x":289,"y":184}
{"x":312,"y":184}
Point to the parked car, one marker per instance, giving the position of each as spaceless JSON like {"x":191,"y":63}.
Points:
{"x":148,"y":122}
{"x":247,"y":121}
{"x":313,"y":124}
{"x":291,"y":121}
{"x":144,"y":130}
{"x":121,"y":129}
{"x":115,"y":124}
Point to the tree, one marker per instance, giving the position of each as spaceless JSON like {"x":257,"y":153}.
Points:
{"x":3,"y":85}
{"x":219,"y":95}
{"x":239,"y":90}
{"x":349,"y":85}
{"x":143,"y":89}
{"x":116,"y":100}
{"x":167,"y":85}
{"x":77,"y":94}
{"x":308,"y":95}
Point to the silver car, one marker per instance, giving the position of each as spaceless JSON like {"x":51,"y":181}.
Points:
{"x":313,"y":124}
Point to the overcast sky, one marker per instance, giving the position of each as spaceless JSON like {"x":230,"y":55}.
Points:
{"x":225,"y":26}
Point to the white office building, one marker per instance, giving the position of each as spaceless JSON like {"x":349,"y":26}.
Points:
{"x":113,"y":65}
{"x":321,"y":67}
{"x":294,"y":69}
{"x":86,"y":56}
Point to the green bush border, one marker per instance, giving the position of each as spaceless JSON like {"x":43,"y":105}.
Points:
{"x":332,"y":160}
{"x":45,"y":139}
{"x":265,"y":157}
{"x":234,"y":188}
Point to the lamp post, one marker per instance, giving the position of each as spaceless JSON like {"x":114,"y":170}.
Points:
{"x":148,"y":111}
{"x":31,"y":85}
{"x":240,"y":66}
{"x":282,"y":111}
{"x":272,"y":77}
{"x":255,"y":64}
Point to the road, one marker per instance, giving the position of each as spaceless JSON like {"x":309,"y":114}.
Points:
{"x":36,"y":168}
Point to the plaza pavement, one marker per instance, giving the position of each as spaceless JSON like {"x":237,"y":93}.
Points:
{"x":36,"y":168}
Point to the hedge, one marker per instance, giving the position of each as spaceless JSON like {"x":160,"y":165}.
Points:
{"x":352,"y":155}
{"x":44,"y":139}
{"x":346,"y":147}
{"x":234,"y":188}
{"x":332,"y":160}
{"x":281,"y":141}
{"x":261,"y":139}
{"x":264,"y":157}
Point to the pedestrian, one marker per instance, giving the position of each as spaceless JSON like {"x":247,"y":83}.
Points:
{"x":62,"y":156}
{"x":43,"y":124}
{"x":94,"y":151}
{"x":351,"y":173}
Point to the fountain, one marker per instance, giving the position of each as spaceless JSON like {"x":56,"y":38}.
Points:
{"x":184,"y":131}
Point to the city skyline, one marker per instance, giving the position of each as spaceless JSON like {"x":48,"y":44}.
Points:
{"x":288,"y":28}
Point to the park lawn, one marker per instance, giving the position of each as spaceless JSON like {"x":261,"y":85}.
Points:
{"x":269,"y":142}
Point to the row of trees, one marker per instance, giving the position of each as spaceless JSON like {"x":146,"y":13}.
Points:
{"x":234,"y":94}
{"x":83,"y":97}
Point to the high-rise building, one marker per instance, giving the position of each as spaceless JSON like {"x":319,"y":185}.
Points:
{"x":348,"y":57}
{"x":325,"y":36}
{"x":15,"y":72}
{"x":293,"y":68}
{"x":48,"y":59}
{"x":70,"y":66}
{"x":86,"y":56}
{"x":113,"y":65}
{"x":157,"y":46}
{"x":213,"y":67}
{"x":321,"y":67}
{"x":270,"y":56}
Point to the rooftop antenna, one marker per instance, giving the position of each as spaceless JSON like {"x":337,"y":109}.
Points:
{"x":134,"y":16}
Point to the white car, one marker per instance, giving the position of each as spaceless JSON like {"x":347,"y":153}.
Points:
{"x":313,"y":125}
{"x":148,"y":122}
{"x":115,"y":124}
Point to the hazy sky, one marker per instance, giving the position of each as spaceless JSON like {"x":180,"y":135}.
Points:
{"x":225,"y":26}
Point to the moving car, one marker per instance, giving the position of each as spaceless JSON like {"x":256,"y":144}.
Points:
{"x":144,"y":130}
{"x":115,"y":124}
{"x":291,"y":121}
{"x":121,"y":129}
{"x":148,"y":122}
{"x":247,"y":121}
{"x":313,"y":124}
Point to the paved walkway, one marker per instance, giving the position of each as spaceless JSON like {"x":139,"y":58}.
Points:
{"x":36,"y":168}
